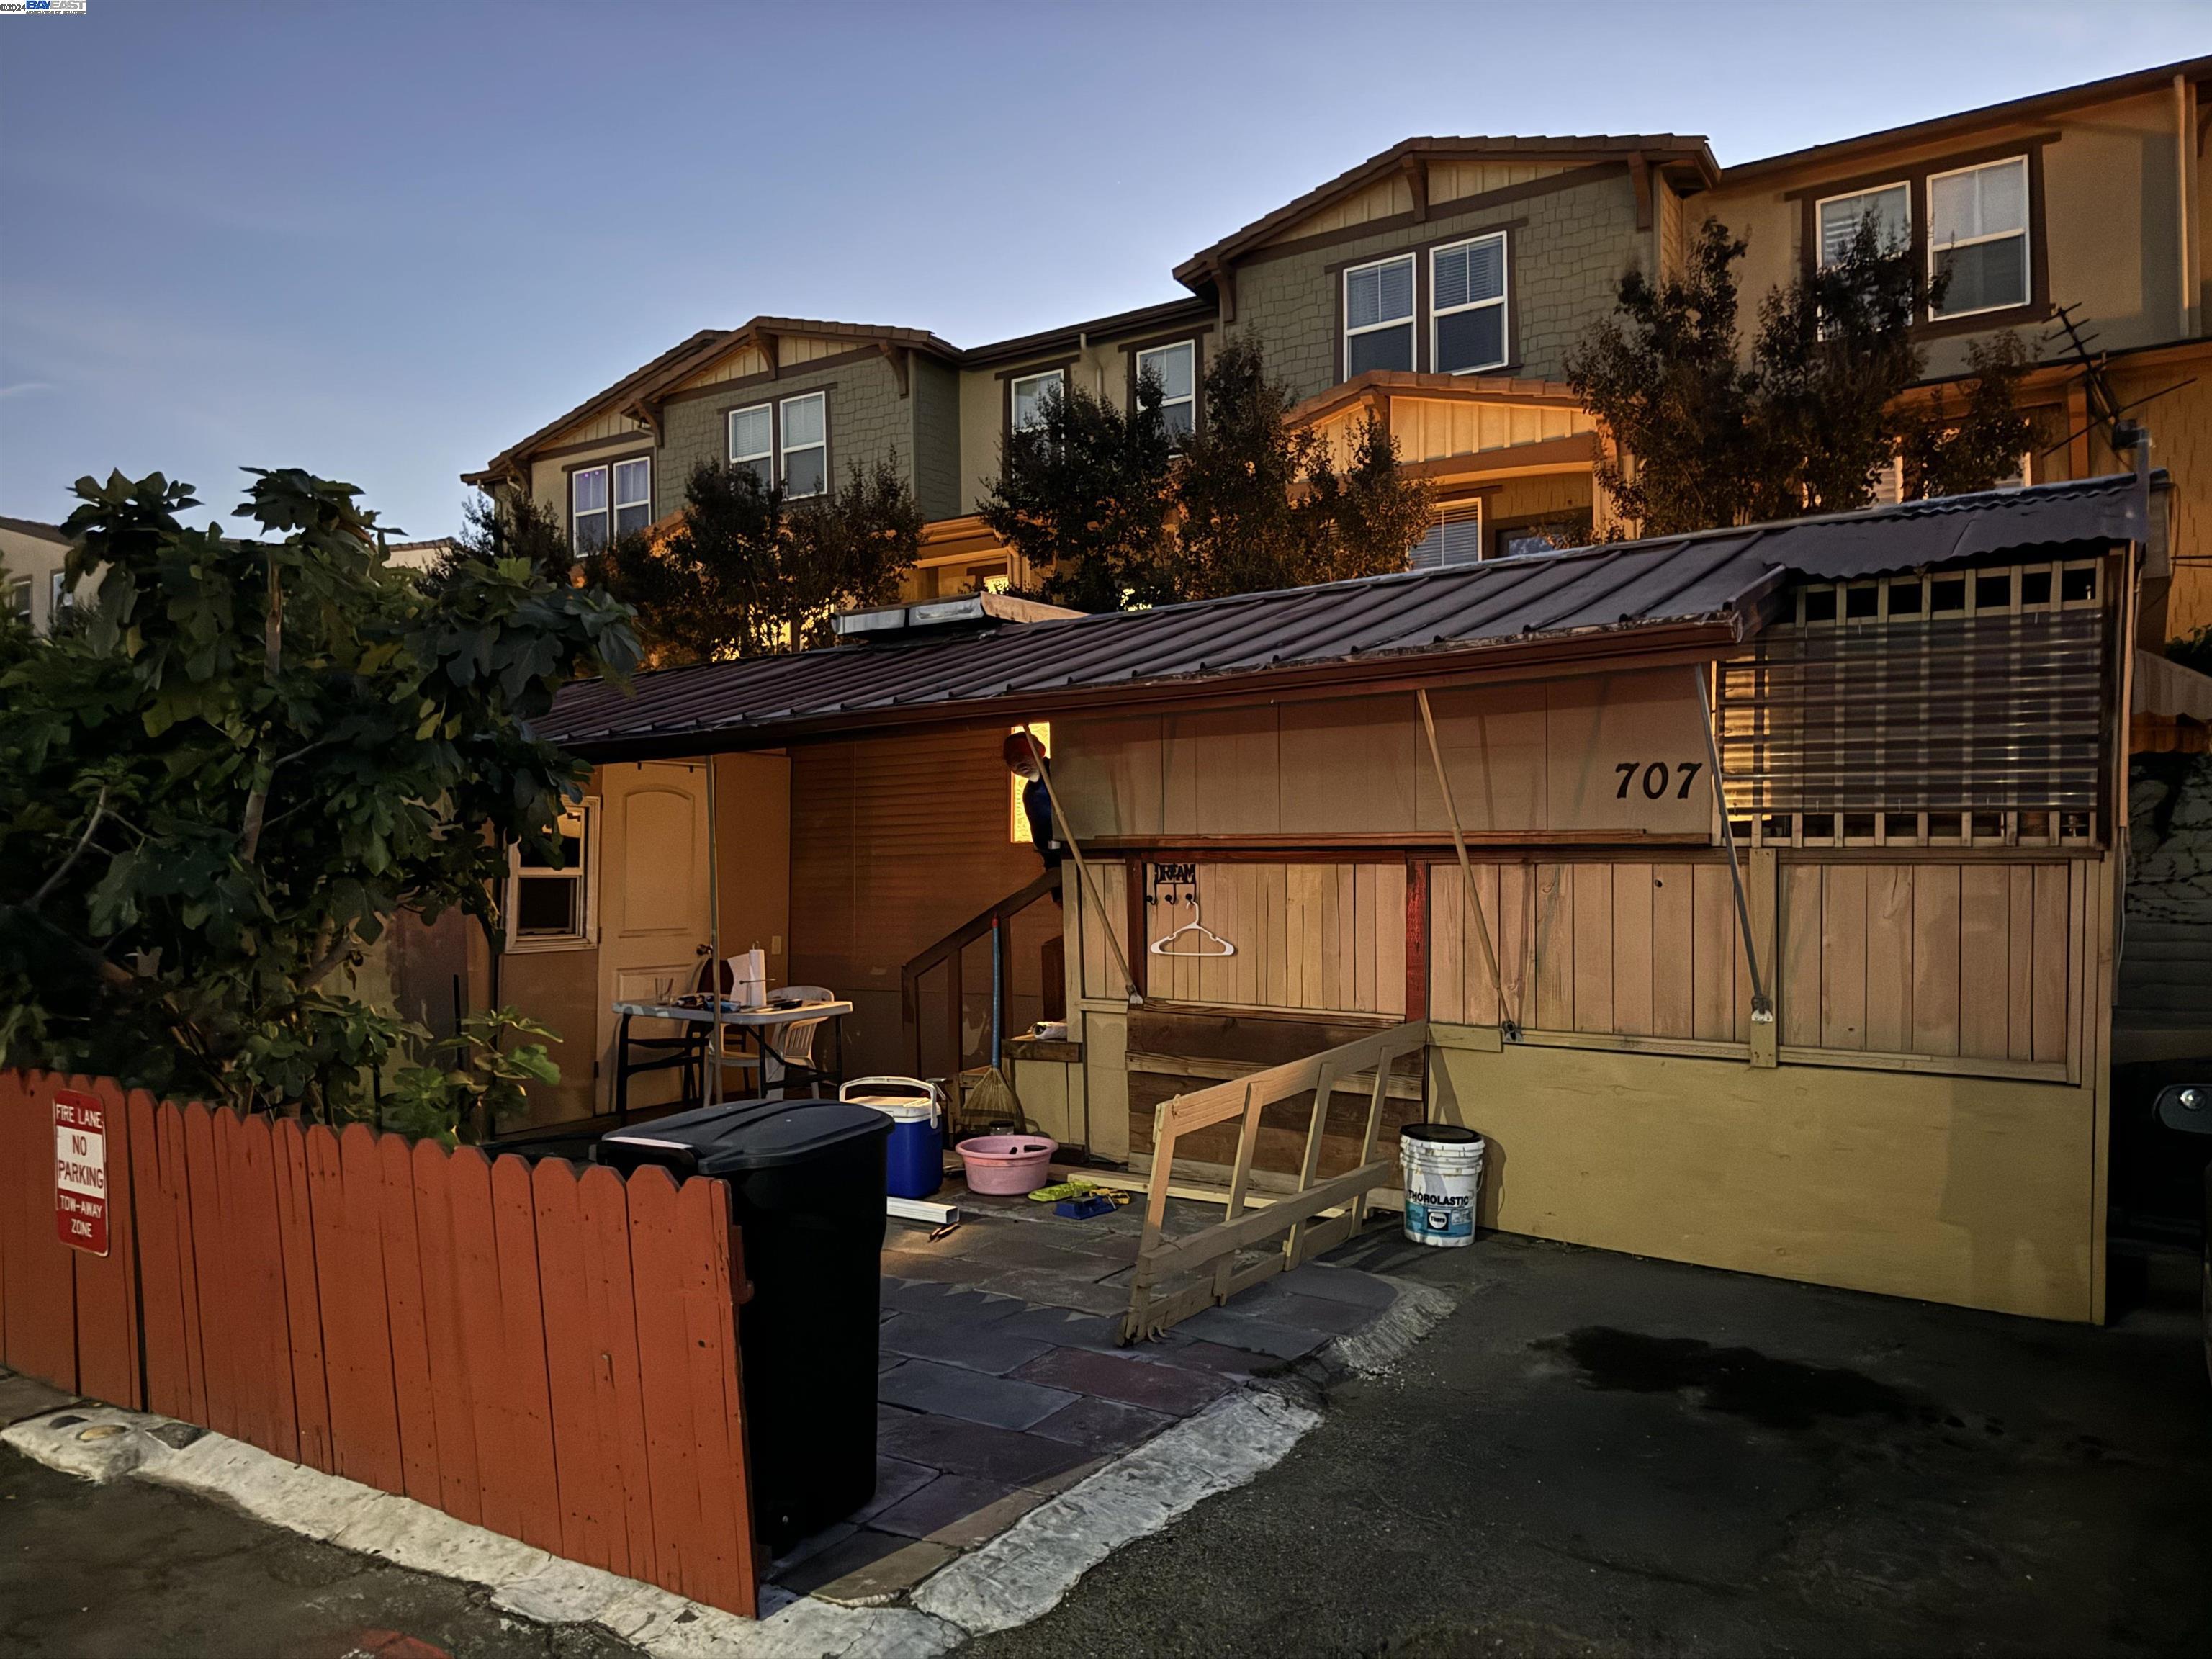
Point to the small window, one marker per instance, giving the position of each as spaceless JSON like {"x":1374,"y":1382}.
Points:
{"x":633,"y":494}
{"x":1378,"y":316}
{"x":549,"y":904}
{"x":805,"y":445}
{"x":1026,"y":409}
{"x":587,"y":508}
{"x":1890,"y":206}
{"x":1466,"y":305}
{"x":1978,"y":237}
{"x":19,"y":600}
{"x":753,"y":442}
{"x":1456,"y":538}
{"x":1175,"y":367}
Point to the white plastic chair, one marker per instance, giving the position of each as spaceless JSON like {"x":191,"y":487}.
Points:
{"x":788,"y":1048}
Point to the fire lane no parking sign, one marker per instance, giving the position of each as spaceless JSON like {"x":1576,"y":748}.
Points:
{"x":80,"y":1171}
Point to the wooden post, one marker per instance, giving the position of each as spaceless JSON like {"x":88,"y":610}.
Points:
{"x":952,"y":968}
{"x":1324,"y":1086}
{"x":1764,"y":897}
{"x":1248,"y":1136}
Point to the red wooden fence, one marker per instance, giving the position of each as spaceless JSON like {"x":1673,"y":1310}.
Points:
{"x":549,"y":1355}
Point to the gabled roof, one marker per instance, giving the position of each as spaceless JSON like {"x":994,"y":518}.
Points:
{"x":45,"y":532}
{"x":2037,"y":105}
{"x":642,"y":385}
{"x":1703,"y":593}
{"x":1657,"y":149}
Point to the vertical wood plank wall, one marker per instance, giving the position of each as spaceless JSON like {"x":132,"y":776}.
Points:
{"x":1318,"y":938}
{"x":1937,"y":958}
{"x":549,"y":1355}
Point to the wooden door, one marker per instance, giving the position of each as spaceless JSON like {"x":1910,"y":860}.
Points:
{"x":652,"y":901}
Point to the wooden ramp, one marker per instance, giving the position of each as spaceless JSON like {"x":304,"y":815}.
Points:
{"x":1299,"y":1218}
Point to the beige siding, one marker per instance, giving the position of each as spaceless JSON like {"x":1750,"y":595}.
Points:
{"x":1435,"y":428}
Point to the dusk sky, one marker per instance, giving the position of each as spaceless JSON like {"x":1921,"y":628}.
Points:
{"x":383,"y":242}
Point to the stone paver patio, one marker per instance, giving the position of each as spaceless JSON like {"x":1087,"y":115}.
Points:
{"x":1002,"y":1382}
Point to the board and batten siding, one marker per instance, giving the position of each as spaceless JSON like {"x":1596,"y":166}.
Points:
{"x":895,"y":842}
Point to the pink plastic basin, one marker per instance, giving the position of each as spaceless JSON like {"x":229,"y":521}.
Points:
{"x":1006,"y":1164}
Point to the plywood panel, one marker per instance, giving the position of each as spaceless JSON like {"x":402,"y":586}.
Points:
{"x":1390,"y":937}
{"x":1889,"y":959}
{"x":2051,"y":961}
{"x":2020,"y":952}
{"x":1493,"y":744}
{"x":1632,"y":965}
{"x":1591,"y":898}
{"x":1221,"y":769}
{"x":1798,"y":974}
{"x":1842,"y":956}
{"x":1713,"y":954}
{"x":1985,"y":954}
{"x":1650,"y":724}
{"x":1554,"y":1005}
{"x":1350,"y":766}
{"x":1936,"y":943}
{"x":1102,"y":974}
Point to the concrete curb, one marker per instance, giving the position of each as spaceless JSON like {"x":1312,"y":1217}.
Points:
{"x":1019,"y":1575}
{"x":1024,"y":1572}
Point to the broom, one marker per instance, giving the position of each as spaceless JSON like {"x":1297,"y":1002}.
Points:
{"x":993,"y":1102}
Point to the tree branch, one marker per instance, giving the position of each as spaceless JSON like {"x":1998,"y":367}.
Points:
{"x":98,"y":811}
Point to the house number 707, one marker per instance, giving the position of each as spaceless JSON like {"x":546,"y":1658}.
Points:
{"x":1655,"y":777}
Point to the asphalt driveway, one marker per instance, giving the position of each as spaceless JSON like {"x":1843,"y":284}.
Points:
{"x":1600,"y":1455}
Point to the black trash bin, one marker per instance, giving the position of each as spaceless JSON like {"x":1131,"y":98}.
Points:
{"x":806,"y":1195}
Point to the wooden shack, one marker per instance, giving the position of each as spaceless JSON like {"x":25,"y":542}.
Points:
{"x":1758,"y":887}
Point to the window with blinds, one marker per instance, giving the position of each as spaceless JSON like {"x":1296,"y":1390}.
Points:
{"x":1466,"y":305}
{"x":1378,"y":316}
{"x":1455,"y":538}
{"x":1959,"y":705}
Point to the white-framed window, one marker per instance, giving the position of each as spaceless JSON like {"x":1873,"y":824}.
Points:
{"x":1839,"y":217}
{"x":1378,"y":316}
{"x":806,"y":421}
{"x":19,"y":599}
{"x":1455,"y":538}
{"x":1467,"y":305}
{"x":1175,"y":367}
{"x":752,"y":441}
{"x":1025,"y":397}
{"x":587,"y":508}
{"x":550,"y":906}
{"x":1978,"y":237}
{"x":633,"y":494}
{"x":61,"y":598}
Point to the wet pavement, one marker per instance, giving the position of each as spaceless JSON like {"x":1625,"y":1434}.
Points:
{"x":1600,"y":1455}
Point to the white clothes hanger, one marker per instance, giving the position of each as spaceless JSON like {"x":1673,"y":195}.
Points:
{"x":1206,"y":936}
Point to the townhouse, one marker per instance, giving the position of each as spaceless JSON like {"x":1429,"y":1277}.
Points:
{"x":1442,"y":284}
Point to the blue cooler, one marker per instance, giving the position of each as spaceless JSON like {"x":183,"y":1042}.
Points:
{"x":913,"y":1162}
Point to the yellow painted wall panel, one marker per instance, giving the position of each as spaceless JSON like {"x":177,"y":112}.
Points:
{"x":1965,"y":1190}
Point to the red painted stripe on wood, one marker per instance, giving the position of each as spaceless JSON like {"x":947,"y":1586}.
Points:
{"x":455,"y":1424}
{"x":303,"y":1300}
{"x":484,"y":1341}
{"x":345,"y":1186}
{"x":236,"y":1284}
{"x":515,"y":1220}
{"x":591,"y":1503}
{"x":404,"y":1308}
{"x":259,"y":1267}
{"x":161,"y":1293}
{"x":665,"y":1369}
{"x":176,"y":1172}
{"x":602,"y":1211}
{"x":202,"y":1192}
{"x":717,"y":1462}
{"x":106,"y":1292}
{"x":41,"y":1296}
{"x":13,"y":1094}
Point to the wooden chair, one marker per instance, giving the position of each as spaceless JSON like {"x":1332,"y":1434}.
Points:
{"x":788,"y":1049}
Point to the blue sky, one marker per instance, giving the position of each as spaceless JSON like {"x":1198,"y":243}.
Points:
{"x":383,"y":240}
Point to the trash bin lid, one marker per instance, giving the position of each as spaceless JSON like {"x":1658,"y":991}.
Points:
{"x":752,"y":1134}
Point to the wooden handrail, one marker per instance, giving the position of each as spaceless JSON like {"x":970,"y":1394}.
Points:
{"x":948,"y":951}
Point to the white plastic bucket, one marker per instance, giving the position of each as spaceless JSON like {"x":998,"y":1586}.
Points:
{"x":1443,"y":1167}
